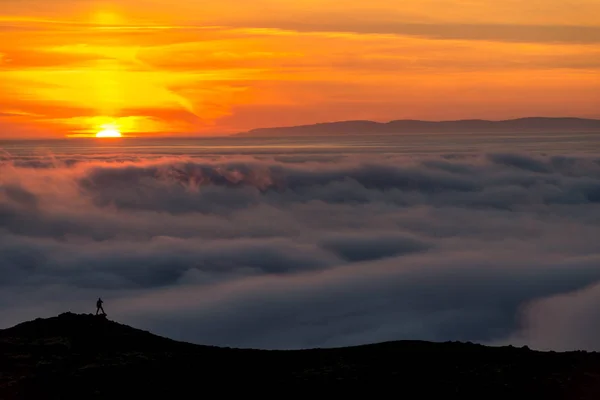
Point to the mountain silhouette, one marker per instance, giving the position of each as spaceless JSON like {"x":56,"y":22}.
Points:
{"x":407,"y":126}
{"x":75,"y":356}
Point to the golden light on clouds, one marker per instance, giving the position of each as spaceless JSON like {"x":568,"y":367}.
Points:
{"x":151,"y":68}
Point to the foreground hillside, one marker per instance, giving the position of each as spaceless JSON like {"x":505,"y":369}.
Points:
{"x":87,"y":357}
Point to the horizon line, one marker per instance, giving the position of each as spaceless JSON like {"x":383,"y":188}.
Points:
{"x":148,"y":135}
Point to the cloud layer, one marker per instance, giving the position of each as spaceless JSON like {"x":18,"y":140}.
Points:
{"x":309,"y":251}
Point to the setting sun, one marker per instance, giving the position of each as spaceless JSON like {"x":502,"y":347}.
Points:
{"x":192,"y":68}
{"x":109,"y":131}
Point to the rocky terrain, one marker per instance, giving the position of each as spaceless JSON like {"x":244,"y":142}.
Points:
{"x":75,"y":356}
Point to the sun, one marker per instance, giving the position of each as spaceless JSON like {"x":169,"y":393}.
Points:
{"x":109,"y":131}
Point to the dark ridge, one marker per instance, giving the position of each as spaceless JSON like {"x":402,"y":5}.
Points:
{"x":74,"y":356}
{"x":407,"y":126}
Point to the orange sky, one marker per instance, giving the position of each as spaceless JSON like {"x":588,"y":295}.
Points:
{"x":190,"y":67}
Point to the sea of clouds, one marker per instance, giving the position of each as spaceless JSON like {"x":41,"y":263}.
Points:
{"x":309,"y":251}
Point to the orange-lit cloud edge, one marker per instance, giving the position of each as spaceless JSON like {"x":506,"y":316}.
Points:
{"x":148,"y":69}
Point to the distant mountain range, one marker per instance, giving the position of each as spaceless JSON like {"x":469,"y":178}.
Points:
{"x":83,"y":356}
{"x":406,"y":126}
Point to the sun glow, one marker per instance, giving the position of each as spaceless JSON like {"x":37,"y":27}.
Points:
{"x":193,"y":68}
{"x":109,"y":131}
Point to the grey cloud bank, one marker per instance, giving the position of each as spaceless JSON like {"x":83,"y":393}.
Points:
{"x":307,"y":251}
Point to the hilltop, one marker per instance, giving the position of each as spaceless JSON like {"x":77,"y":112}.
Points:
{"x":74,"y":356}
{"x":406,"y":126}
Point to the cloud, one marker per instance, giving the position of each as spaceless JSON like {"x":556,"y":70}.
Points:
{"x":294,"y":251}
{"x":356,"y":247}
{"x":564,"y":322}
{"x":520,"y":33}
{"x":182,"y":77}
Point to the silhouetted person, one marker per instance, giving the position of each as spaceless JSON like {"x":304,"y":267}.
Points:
{"x":99,"y":306}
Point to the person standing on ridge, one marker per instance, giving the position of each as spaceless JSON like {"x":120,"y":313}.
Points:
{"x":99,"y":306}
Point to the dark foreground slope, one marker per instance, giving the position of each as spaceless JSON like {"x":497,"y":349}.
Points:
{"x":87,"y":357}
